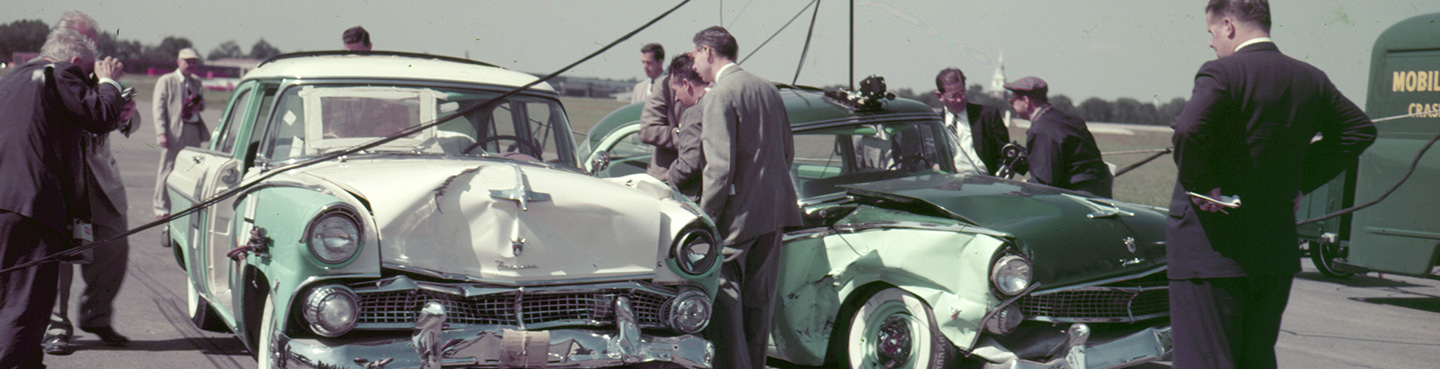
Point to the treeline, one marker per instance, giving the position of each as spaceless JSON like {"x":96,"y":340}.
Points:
{"x":1122,"y":110}
{"x":29,"y":34}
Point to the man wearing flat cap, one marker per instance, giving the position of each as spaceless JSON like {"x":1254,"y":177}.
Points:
{"x":356,"y":39}
{"x":1062,"y":152}
{"x":178,"y":102}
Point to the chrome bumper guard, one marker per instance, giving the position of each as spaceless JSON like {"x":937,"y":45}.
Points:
{"x":1149,"y":345}
{"x":433,"y":347}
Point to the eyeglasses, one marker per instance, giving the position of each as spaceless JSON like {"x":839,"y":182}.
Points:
{"x":953,"y":95}
{"x":699,"y":49}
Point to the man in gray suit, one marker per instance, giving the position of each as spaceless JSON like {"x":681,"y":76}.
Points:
{"x":746,"y":187}
{"x":178,"y":103}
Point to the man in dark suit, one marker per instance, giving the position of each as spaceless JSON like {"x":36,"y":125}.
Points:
{"x":685,"y":172}
{"x":1246,"y":132}
{"x":1061,"y":151}
{"x":746,"y":187}
{"x":46,"y":106}
{"x":976,"y":127}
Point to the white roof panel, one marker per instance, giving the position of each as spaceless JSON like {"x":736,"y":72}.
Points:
{"x":386,"y":66}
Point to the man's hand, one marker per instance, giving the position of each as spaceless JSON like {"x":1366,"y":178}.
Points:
{"x":1207,"y":206}
{"x":163,"y":141}
{"x":109,"y":68}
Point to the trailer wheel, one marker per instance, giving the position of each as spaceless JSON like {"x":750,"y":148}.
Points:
{"x":1324,"y":255}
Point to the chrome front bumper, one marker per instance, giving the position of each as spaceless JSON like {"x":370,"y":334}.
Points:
{"x":1148,"y":345}
{"x":430,"y":346}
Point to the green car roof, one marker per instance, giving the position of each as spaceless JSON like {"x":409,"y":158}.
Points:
{"x":805,"y":105}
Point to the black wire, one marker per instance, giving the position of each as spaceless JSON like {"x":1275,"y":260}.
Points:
{"x":806,"y":50}
{"x":777,"y":32}
{"x":330,"y":156}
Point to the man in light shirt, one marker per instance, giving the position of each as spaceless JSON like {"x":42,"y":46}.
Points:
{"x":977,"y":128}
{"x":652,"y":58}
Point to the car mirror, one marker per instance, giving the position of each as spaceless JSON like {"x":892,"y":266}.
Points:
{"x":599,"y":161}
{"x":824,"y":217}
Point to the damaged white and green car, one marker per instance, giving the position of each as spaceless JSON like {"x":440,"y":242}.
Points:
{"x":904,"y":263}
{"x":476,"y":243}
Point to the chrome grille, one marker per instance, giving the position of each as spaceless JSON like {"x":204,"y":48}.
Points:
{"x":537,"y":307}
{"x":1097,"y":305}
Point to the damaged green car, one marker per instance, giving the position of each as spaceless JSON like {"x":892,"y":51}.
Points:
{"x":906,"y":263}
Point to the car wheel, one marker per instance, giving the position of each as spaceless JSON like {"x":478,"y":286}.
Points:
{"x":894,"y":329}
{"x":200,"y":312}
{"x":265,"y":355}
{"x":1324,"y":254}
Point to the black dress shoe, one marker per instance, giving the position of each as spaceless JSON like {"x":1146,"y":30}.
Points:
{"x":107,"y":335}
{"x":56,"y":345}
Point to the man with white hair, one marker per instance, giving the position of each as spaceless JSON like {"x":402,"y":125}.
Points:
{"x":46,"y":108}
{"x":106,"y":273}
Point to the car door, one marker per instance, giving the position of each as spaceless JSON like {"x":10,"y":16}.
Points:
{"x":627,"y":155}
{"x":218,"y":169}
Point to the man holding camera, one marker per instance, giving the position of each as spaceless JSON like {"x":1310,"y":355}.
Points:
{"x":178,"y":103}
{"x":47,"y":106}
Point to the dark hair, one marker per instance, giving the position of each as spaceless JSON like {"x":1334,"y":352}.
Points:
{"x":655,"y":50}
{"x":682,"y":69}
{"x":1253,"y":11}
{"x":718,"y":39}
{"x":356,"y":34}
{"x":949,"y":75}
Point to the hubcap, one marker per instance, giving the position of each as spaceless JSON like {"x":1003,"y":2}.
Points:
{"x":893,"y":342}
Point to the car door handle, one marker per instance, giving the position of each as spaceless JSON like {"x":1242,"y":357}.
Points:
{"x":198,"y":159}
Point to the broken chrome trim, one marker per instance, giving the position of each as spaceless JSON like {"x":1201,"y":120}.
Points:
{"x":1141,"y":347}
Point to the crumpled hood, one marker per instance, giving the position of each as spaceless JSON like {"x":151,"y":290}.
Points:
{"x":463,"y":219}
{"x":1070,"y":239}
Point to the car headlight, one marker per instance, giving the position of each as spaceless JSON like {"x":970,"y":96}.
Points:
{"x":334,"y":236}
{"x":690,"y":312}
{"x":696,"y":251}
{"x":331,"y":310}
{"x":1011,"y":274}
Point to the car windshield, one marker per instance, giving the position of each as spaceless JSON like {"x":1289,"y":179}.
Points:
{"x":826,"y":158}
{"x":315,"y":119}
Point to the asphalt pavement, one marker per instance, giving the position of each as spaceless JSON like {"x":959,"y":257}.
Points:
{"x":1367,"y":321}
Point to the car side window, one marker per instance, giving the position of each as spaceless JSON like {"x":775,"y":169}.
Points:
{"x":233,"y":122}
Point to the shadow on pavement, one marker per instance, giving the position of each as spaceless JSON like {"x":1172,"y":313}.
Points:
{"x":229,"y":346}
{"x":1362,"y":281}
{"x":1427,"y":304}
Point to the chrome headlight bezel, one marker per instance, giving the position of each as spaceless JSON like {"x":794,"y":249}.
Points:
{"x":1011,"y":274}
{"x":690,"y":312}
{"x":318,"y":303}
{"x":695,"y":251}
{"x":315,"y":237}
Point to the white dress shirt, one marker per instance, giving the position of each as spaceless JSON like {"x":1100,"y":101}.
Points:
{"x":966,"y":159}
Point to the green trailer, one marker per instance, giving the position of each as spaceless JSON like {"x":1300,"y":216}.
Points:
{"x":1401,"y":233}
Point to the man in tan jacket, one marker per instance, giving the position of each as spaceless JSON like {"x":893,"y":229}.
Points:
{"x":178,"y":102}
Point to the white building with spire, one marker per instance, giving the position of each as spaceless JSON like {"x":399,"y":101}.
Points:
{"x":997,"y":84}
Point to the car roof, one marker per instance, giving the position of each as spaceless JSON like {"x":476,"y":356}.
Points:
{"x":390,"y":65}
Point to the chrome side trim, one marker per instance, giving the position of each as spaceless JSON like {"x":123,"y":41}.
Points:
{"x":857,"y":227}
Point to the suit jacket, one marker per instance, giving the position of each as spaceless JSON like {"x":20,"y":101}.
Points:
{"x":1247,"y":130}
{"x":748,"y":147}
{"x":658,"y":122}
{"x":685,"y":172}
{"x":169,"y":104}
{"x":1062,"y":152}
{"x":988,"y":134}
{"x":45,"y":111}
{"x":638,"y":94}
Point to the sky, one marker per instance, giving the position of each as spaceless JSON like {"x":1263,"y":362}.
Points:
{"x":1143,"y":49}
